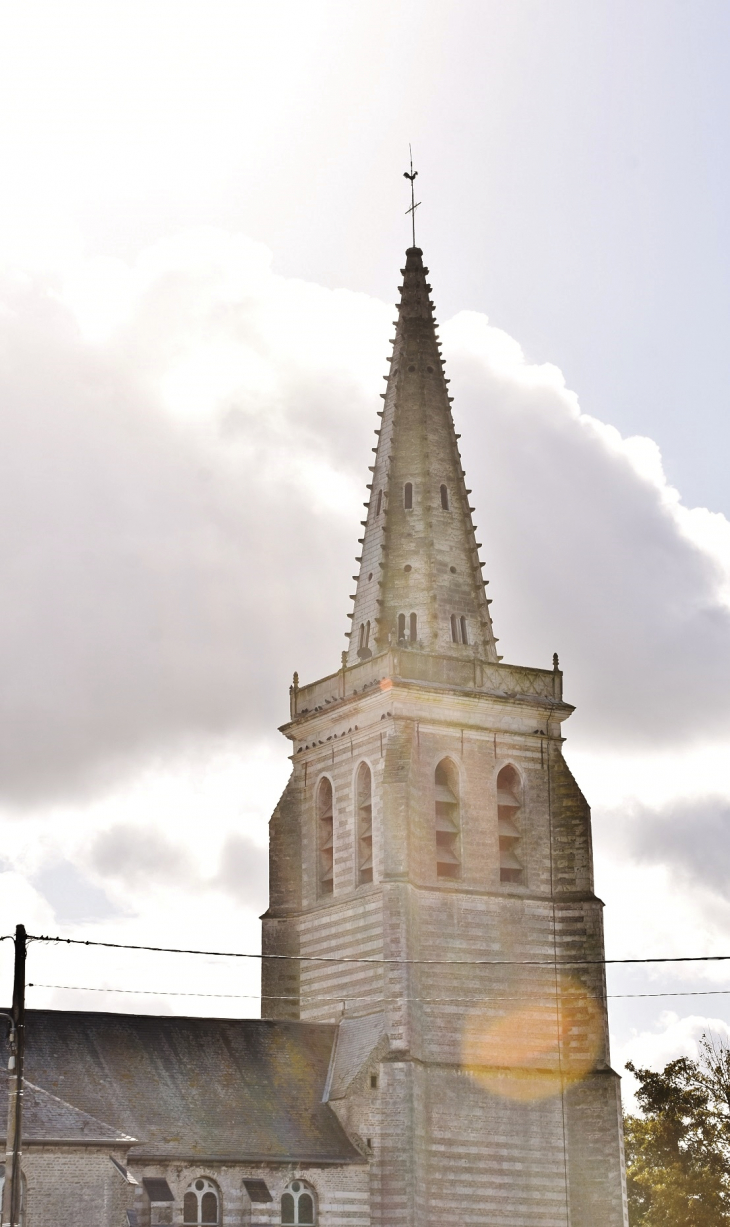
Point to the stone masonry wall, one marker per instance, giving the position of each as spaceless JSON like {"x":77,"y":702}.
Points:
{"x":75,"y":1185}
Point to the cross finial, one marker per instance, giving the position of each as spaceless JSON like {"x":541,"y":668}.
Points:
{"x":414,"y":204}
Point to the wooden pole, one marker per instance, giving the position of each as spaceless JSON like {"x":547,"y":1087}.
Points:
{"x":13,"y":1148}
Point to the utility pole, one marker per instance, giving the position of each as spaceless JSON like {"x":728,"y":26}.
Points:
{"x":13,"y":1148}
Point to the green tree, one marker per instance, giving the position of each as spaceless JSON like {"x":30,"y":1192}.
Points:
{"x":678,"y":1150}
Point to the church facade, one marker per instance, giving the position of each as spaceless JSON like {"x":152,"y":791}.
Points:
{"x":433,"y":1044}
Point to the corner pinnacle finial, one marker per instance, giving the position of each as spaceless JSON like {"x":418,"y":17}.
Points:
{"x":414,"y":205}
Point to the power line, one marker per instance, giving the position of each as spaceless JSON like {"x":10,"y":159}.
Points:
{"x":334,"y":958}
{"x":151,"y":992}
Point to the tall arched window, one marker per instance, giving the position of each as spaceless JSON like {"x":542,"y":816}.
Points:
{"x":361,"y":640}
{"x":408,"y":496}
{"x":298,"y":1205}
{"x":454,"y":629}
{"x":401,"y":627}
{"x":464,"y":632}
{"x":325,"y":836}
{"x":201,"y":1203}
{"x":413,"y":627}
{"x":379,"y":503}
{"x":448,"y":859}
{"x":509,"y":805}
{"x":364,"y":819}
{"x":444,"y":498}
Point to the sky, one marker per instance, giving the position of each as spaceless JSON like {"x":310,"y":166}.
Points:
{"x":201,"y":227}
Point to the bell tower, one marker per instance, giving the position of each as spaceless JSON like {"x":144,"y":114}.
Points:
{"x":431,"y":867}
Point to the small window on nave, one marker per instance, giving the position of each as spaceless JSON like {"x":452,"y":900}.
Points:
{"x":448,"y":821}
{"x":509,"y":807}
{"x":364,"y":820}
{"x":408,"y":496}
{"x":325,"y":836}
{"x":201,"y":1204}
{"x":444,"y":498}
{"x":298,"y":1205}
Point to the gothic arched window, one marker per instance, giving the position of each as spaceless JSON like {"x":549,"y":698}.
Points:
{"x":325,"y":836}
{"x":444,"y":498}
{"x":448,"y":823}
{"x":298,"y":1205}
{"x":413,"y":627}
{"x":401,"y":627}
{"x":454,"y":629}
{"x":201,"y":1204}
{"x":408,"y":496}
{"x":464,"y":633}
{"x":364,"y":820}
{"x":509,"y":805}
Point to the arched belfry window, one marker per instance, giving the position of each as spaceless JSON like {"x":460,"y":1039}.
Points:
{"x":379,"y":504}
{"x":454,"y":629}
{"x":201,"y":1204}
{"x":413,"y":627}
{"x":509,"y":807}
{"x":325,"y":836}
{"x":364,"y":820}
{"x":464,"y":631}
{"x":298,"y":1205}
{"x":401,"y":627}
{"x":444,"y":498}
{"x":448,"y":820}
{"x":408,"y":496}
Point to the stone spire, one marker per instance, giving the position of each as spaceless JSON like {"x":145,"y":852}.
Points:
{"x":420,"y":582}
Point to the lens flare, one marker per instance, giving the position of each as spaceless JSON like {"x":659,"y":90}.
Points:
{"x":533,"y":1039}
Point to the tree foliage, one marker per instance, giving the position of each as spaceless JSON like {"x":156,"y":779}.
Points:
{"x":678,"y":1150}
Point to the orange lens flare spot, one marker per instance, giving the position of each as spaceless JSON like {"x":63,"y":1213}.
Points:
{"x":530,"y":1041}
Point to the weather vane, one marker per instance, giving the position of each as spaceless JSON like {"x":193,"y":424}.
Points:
{"x":414,"y":204}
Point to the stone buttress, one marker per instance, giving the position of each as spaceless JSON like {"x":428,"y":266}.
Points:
{"x":431,"y":867}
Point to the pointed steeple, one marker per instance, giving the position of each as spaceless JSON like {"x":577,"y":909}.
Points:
{"x":420,"y":580}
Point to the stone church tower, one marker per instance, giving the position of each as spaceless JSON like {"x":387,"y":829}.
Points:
{"x":431,"y":869}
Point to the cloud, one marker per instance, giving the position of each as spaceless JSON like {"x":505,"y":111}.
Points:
{"x":185,"y":446}
{"x":591,"y":553}
{"x":136,"y":857}
{"x":72,"y":896}
{"x":244,"y":872}
{"x":691,"y":836}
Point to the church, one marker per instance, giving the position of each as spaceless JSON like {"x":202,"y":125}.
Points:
{"x":433,"y":1044}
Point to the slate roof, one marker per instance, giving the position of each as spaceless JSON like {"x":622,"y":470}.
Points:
{"x":236,"y":1089}
{"x":48,"y":1118}
{"x":357,"y":1039}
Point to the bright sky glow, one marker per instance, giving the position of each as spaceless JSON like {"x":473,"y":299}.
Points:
{"x":201,"y":226}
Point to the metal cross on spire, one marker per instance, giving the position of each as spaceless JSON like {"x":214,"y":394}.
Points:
{"x":414,"y":204}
